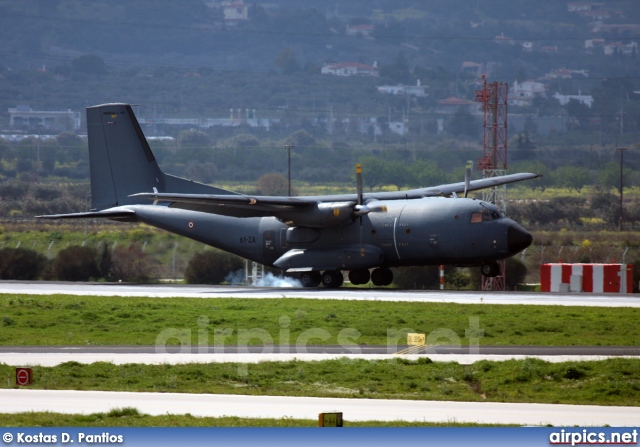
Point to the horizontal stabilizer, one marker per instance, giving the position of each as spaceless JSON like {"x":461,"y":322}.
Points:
{"x":113,"y":214}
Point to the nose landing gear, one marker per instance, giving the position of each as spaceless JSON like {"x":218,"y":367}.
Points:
{"x":490,"y":269}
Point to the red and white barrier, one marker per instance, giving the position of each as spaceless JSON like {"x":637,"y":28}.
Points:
{"x":595,"y":278}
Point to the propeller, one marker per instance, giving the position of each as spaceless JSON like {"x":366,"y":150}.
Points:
{"x":360,"y":209}
{"x":467,"y":177}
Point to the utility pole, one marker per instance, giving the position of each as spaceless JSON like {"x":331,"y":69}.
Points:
{"x":622,"y":150}
{"x":288,"y":147}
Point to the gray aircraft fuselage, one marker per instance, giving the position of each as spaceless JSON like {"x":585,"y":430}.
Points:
{"x":428,"y":231}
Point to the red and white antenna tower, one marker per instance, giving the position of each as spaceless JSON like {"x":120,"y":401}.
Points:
{"x":493,"y":163}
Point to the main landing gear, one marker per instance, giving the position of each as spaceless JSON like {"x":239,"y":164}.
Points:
{"x":333,"y":279}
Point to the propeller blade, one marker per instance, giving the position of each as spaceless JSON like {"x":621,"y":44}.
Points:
{"x":359,"y":182}
{"x":467,"y":177}
{"x":360,"y":209}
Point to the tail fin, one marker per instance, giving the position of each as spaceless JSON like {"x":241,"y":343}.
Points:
{"x":121,"y":161}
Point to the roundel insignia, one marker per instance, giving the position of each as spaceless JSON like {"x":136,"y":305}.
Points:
{"x":191,"y":225}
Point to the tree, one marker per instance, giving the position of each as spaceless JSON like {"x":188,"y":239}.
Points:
{"x":211,"y":267}
{"x":75,"y":263}
{"x":378,"y":172}
{"x":579,"y":112}
{"x":609,"y":176}
{"x":391,"y":33}
{"x":426,"y":173}
{"x":104,"y":261}
{"x":193,"y":145}
{"x":399,"y":71}
{"x":572,"y":177}
{"x":90,"y":64}
{"x":287,"y":61}
{"x":463,"y":123}
{"x":6,"y":150}
{"x":21,"y":264}
{"x":301,"y":139}
{"x":516,"y":273}
{"x":245,"y":140}
{"x":273,"y":185}
{"x":71,"y":148}
{"x":131,"y":264}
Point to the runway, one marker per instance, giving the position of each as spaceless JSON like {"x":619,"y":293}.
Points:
{"x":345,"y":293}
{"x":85,"y":402}
{"x":151,"y":355}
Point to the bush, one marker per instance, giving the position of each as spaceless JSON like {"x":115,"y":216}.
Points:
{"x":21,"y":264}
{"x":131,"y":264}
{"x":75,"y":263}
{"x":211,"y":267}
{"x":426,"y":277}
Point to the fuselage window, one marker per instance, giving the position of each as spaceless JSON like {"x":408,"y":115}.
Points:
{"x":476,"y":217}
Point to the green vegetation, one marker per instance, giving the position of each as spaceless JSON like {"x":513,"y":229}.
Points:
{"x":130,"y":417}
{"x":606,"y":382}
{"x":85,"y":320}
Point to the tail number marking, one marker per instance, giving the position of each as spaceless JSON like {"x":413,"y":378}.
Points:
{"x":247,"y":239}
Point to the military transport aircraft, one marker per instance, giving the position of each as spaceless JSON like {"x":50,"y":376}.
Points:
{"x":319,"y":237}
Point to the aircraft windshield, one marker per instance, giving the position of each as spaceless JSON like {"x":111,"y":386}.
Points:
{"x":485,"y":216}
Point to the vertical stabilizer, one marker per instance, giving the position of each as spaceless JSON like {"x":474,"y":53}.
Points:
{"x":120,"y":158}
{"x":121,"y":161}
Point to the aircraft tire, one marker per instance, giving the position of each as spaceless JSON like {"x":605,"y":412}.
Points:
{"x":382,"y":276}
{"x":359,"y":276}
{"x":332,"y":279}
{"x":490,"y":269}
{"x":310,"y":279}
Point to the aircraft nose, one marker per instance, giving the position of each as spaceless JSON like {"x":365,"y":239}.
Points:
{"x":518,"y":238}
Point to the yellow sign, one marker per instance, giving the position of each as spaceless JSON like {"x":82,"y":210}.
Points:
{"x":330,"y":420}
{"x":416,"y":339}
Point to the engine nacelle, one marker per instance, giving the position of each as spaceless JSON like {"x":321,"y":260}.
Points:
{"x":330,"y":214}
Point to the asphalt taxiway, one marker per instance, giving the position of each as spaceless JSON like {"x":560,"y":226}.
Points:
{"x":152,"y":355}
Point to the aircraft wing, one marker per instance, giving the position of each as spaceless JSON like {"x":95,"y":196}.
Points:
{"x":231,"y":205}
{"x":451,"y":188}
{"x":294,"y":208}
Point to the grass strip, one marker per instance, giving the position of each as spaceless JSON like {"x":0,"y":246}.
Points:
{"x":59,"y":320}
{"x":131,"y":417}
{"x":607,"y":382}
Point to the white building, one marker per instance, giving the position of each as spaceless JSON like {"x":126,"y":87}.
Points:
{"x":417,"y":90}
{"x":522,"y":93}
{"x":350,"y":69}
{"x":24,"y":117}
{"x":564,"y":99}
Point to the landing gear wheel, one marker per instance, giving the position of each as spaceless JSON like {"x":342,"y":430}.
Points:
{"x":382,"y":276}
{"x":332,"y":279}
{"x":310,"y":279}
{"x":359,"y":276}
{"x":490,"y":269}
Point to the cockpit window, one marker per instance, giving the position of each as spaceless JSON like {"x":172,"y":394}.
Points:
{"x":484,"y":216}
